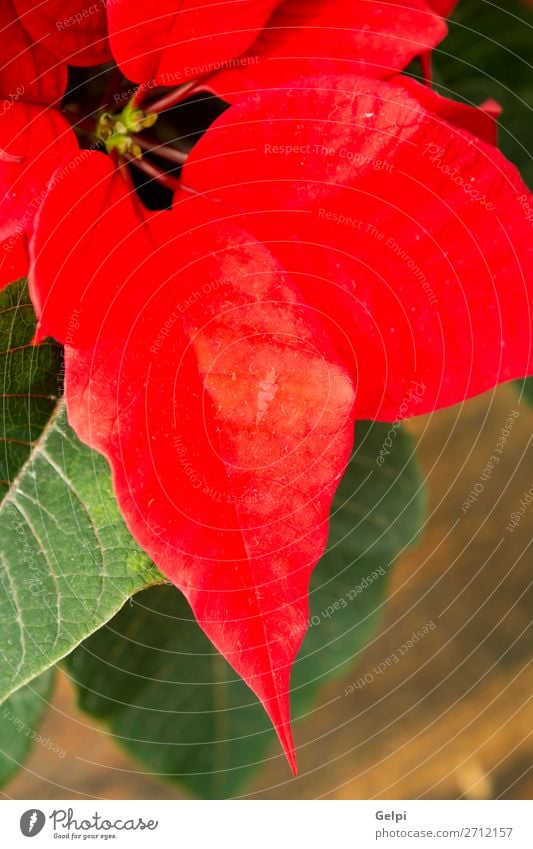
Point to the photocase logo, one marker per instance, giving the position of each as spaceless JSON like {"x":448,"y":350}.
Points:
{"x":32,"y":822}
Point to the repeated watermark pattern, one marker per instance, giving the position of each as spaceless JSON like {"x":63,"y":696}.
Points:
{"x":23,"y":728}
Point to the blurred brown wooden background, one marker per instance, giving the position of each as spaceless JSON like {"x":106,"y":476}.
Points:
{"x":453,"y":718}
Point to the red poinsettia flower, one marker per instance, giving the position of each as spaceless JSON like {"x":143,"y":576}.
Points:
{"x":174,"y":43}
{"x":159,"y":41}
{"x":337,"y":253}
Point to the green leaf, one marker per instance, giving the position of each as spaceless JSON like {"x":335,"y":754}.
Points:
{"x":20,"y":716}
{"x":67,"y":561}
{"x":156,"y":682}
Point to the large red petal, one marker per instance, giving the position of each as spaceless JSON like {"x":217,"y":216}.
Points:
{"x":172,"y":42}
{"x":27,"y":70}
{"x":33,"y":142}
{"x":74,"y":31}
{"x":308,"y":37}
{"x":221,"y":406}
{"x":417,"y":235}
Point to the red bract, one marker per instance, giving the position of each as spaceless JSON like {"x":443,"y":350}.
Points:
{"x":214,"y":390}
{"x":413,"y":235}
{"x":306,"y":37}
{"x":27,"y":70}
{"x":443,"y":7}
{"x":481,"y":121}
{"x":33,"y":142}
{"x":344,"y":237}
{"x":73,"y":31}
{"x":167,"y":41}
